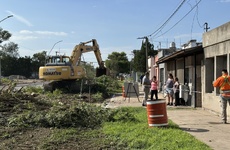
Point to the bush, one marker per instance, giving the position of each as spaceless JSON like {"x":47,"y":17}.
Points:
{"x":122,"y":115}
{"x":100,"y":88}
{"x":107,"y":84}
{"x":33,"y":89}
{"x":62,"y":116}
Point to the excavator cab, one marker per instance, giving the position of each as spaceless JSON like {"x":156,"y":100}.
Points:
{"x":60,"y":68}
{"x":57,"y":61}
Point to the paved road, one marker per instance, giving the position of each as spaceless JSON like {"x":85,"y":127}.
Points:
{"x":23,"y":83}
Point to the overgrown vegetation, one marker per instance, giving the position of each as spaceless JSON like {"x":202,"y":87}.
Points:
{"x":75,"y":114}
{"x":63,"y":121}
{"x":125,"y":128}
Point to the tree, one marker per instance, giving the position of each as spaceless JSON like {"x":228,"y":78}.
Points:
{"x":4,"y":35}
{"x":9,"y":65}
{"x":139,"y":60}
{"x":38,"y":59}
{"x":90,"y":71}
{"x":24,"y":66}
{"x":118,"y":63}
{"x":8,"y":54}
{"x":9,"y":49}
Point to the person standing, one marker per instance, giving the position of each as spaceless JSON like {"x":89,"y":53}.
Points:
{"x":146,"y":87}
{"x":141,"y":78}
{"x":176,"y":91}
{"x":169,"y":89}
{"x":154,"y":90}
{"x":223,"y":82}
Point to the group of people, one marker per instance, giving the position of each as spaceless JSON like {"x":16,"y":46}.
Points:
{"x":172,"y":90}
{"x":151,"y":85}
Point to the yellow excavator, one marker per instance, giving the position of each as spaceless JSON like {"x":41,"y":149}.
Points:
{"x":62,"y":71}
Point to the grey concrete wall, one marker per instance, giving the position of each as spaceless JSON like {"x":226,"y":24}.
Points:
{"x":216,"y":45}
{"x":218,"y":49}
{"x":180,"y":70}
{"x":198,"y":87}
{"x":170,"y":68}
{"x":161,"y":77}
{"x":217,"y":35}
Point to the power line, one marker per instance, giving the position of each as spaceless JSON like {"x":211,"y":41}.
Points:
{"x":181,"y":18}
{"x":160,"y":28}
{"x":192,"y":24}
{"x":197,"y":13}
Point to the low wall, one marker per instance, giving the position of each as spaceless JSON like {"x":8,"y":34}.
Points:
{"x":212,"y":103}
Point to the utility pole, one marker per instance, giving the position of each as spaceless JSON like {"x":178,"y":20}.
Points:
{"x":206,"y":27}
{"x":146,"y":51}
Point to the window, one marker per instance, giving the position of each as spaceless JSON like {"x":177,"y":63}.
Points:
{"x":209,"y":75}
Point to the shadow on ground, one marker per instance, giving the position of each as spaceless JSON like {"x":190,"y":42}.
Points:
{"x":194,"y":130}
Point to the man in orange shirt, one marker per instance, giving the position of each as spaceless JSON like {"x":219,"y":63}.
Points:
{"x":223,"y":82}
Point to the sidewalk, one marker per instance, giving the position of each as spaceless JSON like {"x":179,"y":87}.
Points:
{"x":202,"y":124}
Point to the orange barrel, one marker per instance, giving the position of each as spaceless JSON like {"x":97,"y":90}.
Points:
{"x":157,"y":115}
{"x":123,"y":91}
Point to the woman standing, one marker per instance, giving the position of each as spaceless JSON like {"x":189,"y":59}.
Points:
{"x":176,"y":91}
{"x":154,"y":90}
{"x":169,"y":89}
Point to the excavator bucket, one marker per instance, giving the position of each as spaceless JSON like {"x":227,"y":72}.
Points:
{"x":101,"y":71}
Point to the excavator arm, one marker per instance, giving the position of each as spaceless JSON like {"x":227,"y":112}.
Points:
{"x":98,"y":54}
{"x":83,"y":48}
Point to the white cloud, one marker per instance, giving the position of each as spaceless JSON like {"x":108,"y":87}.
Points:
{"x":25,"y":32}
{"x":51,"y":33}
{"x":184,"y":36}
{"x":20,"y":18}
{"x":28,"y":36}
{"x":224,"y":1}
{"x":19,"y":38}
{"x":43,"y":33}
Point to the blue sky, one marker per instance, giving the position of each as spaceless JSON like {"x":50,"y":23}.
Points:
{"x":116,"y":24}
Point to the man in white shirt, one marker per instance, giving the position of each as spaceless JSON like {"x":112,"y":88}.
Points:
{"x":146,"y":84}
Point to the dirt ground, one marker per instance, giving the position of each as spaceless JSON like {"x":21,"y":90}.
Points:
{"x":18,"y":137}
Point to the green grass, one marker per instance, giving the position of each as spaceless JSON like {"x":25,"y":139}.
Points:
{"x":137,"y":135}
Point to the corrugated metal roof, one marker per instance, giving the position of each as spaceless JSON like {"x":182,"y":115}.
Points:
{"x":182,"y":53}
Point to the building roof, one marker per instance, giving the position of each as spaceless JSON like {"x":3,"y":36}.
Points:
{"x":181,"y":53}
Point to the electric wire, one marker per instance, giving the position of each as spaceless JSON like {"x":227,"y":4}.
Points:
{"x":192,"y":23}
{"x":197,"y":13}
{"x":160,"y":28}
{"x":180,"y":19}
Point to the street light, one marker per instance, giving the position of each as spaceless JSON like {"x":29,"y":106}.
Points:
{"x":146,"y":51}
{"x":6,"y":18}
{"x":53,"y":46}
